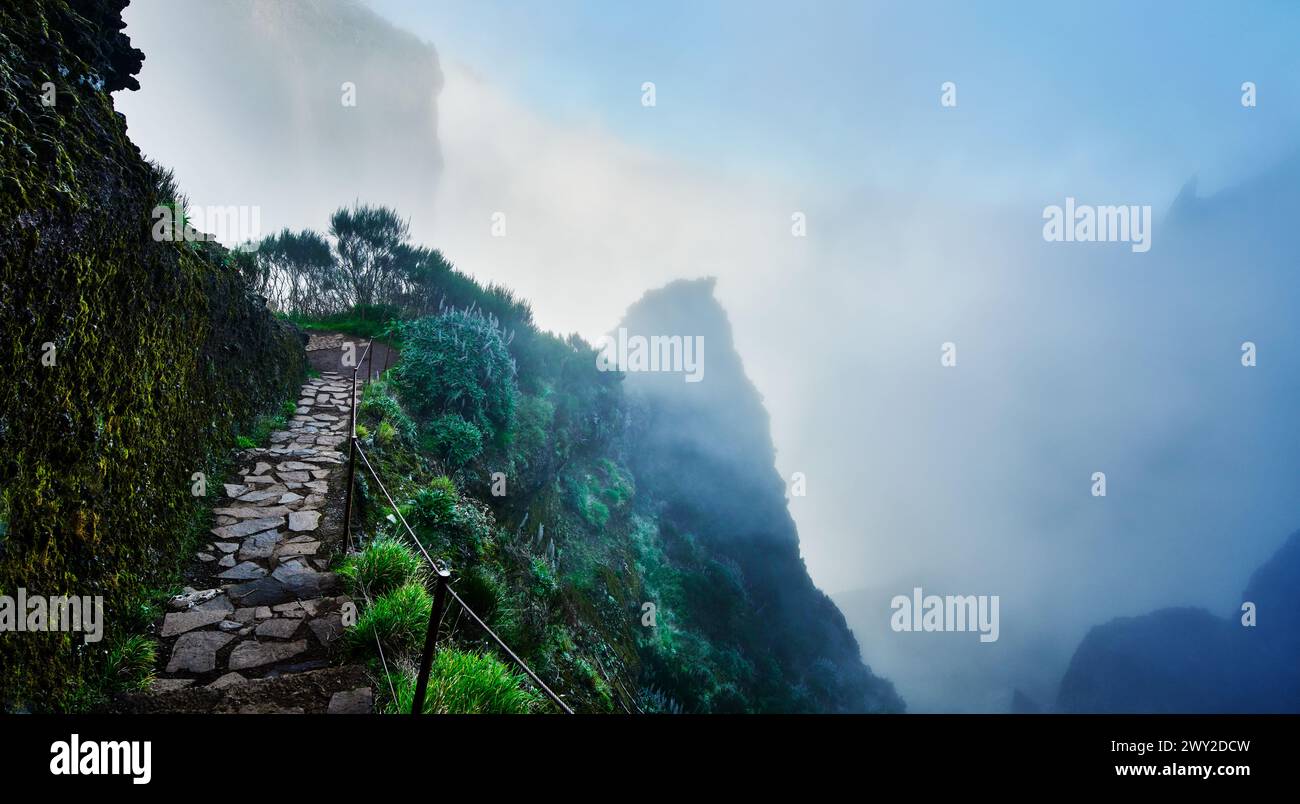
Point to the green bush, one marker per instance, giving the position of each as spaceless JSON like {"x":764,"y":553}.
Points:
{"x":383,"y":566}
{"x":534,"y":418}
{"x":433,"y":506}
{"x":399,"y":619}
{"x":453,"y":440}
{"x":621,"y":486}
{"x":597,"y":513}
{"x":463,"y":683}
{"x":545,"y":584}
{"x":486,"y":593}
{"x":458,"y":363}
{"x":443,"y":522}
{"x":379,"y":406}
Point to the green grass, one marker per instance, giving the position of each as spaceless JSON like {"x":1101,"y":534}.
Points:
{"x":399,"y":619}
{"x":265,"y":425}
{"x":127,"y":667}
{"x":463,"y":683}
{"x":131,"y":664}
{"x":366,"y":322}
{"x":383,"y":566}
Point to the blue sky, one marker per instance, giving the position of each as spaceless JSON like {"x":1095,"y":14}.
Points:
{"x":1123,"y":98}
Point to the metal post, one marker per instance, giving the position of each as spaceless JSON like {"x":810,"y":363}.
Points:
{"x":370,"y":360}
{"x":430,"y":641}
{"x":352,"y":461}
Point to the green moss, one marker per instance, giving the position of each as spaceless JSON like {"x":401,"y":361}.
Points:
{"x":158,"y":355}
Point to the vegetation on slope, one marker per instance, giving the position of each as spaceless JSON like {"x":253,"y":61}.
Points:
{"x":514,"y":459}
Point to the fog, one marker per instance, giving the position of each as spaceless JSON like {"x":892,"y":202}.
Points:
{"x":1072,"y":358}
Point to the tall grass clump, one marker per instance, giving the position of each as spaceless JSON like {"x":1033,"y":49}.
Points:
{"x":384,"y":565}
{"x":464,"y":683}
{"x":398,"y":619}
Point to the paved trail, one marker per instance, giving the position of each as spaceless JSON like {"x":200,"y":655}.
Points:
{"x":262,"y":606}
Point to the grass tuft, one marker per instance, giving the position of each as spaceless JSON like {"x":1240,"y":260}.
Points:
{"x":130,"y":664}
{"x":399,"y":619}
{"x":383,"y":566}
{"x":463,"y":683}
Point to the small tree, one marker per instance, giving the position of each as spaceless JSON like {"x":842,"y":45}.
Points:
{"x":296,"y":272}
{"x":370,"y":244}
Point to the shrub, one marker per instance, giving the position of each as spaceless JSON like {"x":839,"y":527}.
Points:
{"x":383,"y":566}
{"x":597,"y":513}
{"x":433,"y":506}
{"x":534,"y":419}
{"x":377,"y":405}
{"x":398,"y":619}
{"x":453,"y":440}
{"x":458,"y":363}
{"x":545,"y":583}
{"x":443,"y":521}
{"x":468,"y":683}
{"x":486,"y":593}
{"x":621,"y":487}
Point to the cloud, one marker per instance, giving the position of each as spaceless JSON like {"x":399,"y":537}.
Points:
{"x":244,"y":100}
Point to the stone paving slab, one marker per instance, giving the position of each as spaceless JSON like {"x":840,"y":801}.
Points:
{"x":272,"y":608}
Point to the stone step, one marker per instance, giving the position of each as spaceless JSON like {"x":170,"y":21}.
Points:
{"x":272,"y":609}
{"x":331,"y":690}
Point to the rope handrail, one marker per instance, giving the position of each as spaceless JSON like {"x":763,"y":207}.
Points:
{"x":432,"y":561}
{"x":554,"y":698}
{"x":442,"y":573}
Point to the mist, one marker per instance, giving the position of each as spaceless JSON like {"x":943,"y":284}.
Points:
{"x":1071,"y":358}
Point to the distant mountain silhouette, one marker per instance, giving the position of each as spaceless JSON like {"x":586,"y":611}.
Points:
{"x":1188,"y":660}
{"x":1262,"y":204}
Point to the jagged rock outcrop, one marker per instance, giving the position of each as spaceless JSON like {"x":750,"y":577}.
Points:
{"x":704,"y":452}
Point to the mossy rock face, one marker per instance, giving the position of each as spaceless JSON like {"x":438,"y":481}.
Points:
{"x":129,"y":363}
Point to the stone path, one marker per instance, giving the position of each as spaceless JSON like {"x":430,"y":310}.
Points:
{"x":263,"y":603}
